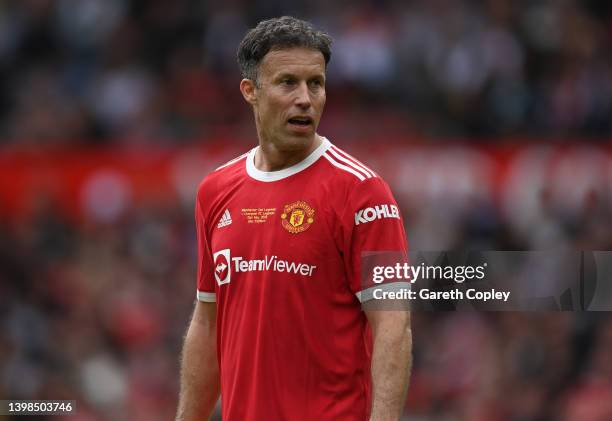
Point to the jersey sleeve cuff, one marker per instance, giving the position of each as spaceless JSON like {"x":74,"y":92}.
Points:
{"x":207,"y":297}
{"x":368,"y":293}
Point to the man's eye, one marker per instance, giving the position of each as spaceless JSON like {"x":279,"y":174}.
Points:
{"x":317,"y":83}
{"x":287,"y":81}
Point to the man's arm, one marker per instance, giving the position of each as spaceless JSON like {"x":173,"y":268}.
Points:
{"x":391,"y":363}
{"x":199,"y":366}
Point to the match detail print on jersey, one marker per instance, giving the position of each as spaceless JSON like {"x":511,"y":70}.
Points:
{"x":257,"y":215}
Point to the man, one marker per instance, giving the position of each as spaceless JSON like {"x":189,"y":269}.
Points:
{"x":278,"y":328}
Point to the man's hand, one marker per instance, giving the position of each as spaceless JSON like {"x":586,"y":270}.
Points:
{"x":199,"y":366}
{"x":391,"y":362}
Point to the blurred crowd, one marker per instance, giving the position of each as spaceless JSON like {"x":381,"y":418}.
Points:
{"x":96,"y":313}
{"x":511,"y":367}
{"x":93,"y":309}
{"x":100,"y":71}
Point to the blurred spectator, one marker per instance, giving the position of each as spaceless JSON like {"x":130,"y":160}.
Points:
{"x":110,"y":71}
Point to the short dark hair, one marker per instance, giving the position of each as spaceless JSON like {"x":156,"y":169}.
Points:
{"x":275,"y":34}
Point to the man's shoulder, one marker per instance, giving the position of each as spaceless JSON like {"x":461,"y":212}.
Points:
{"x":351,"y":180}
{"x":224,"y":175}
{"x":348,"y":170}
{"x":231,"y":165}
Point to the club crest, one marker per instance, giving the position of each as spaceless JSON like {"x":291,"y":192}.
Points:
{"x":297,"y":217}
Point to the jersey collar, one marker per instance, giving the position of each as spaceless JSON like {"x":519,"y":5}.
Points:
{"x":268,"y":176}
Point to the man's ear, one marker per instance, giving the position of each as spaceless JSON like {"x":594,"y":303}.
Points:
{"x":247,"y":87}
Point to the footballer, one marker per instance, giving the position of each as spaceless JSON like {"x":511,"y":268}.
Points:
{"x":278,"y":331}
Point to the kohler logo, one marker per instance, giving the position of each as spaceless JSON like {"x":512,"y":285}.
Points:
{"x":363,"y":216}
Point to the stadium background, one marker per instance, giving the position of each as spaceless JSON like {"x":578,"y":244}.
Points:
{"x":491,"y":120}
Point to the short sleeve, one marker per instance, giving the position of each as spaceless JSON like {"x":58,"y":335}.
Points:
{"x":205,"y":281}
{"x":372,"y":223}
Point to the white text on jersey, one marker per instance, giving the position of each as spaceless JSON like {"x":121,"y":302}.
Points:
{"x":272,"y":263}
{"x":363,"y":216}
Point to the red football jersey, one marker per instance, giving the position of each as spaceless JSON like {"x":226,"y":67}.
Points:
{"x":280,"y":253}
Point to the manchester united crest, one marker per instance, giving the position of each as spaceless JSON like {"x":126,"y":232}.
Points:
{"x":297,"y":217}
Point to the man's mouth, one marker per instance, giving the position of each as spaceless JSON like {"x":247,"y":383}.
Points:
{"x":300,"y":121}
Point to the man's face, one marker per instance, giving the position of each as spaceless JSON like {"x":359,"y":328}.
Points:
{"x":290,"y":97}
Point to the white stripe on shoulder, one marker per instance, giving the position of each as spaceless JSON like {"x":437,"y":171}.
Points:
{"x":354,"y":160}
{"x":349,"y":163}
{"x":232,"y":161}
{"x":335,"y":163}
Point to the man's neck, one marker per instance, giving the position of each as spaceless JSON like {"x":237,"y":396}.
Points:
{"x":269,"y":158}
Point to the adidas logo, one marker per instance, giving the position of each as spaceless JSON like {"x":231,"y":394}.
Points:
{"x":225,"y":220}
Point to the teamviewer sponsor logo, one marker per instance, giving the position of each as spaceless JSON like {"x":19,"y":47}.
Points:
{"x":223,"y":271}
{"x":273,"y":264}
{"x":366,"y":215}
{"x":224,"y":263}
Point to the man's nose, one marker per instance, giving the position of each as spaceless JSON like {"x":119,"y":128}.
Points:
{"x":303,"y":96}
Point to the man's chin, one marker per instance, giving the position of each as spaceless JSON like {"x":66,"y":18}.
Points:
{"x":306,"y":132}
{"x":298,"y":141}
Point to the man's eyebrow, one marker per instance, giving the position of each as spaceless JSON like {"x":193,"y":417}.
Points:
{"x":284,"y":75}
{"x":294,"y":76}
